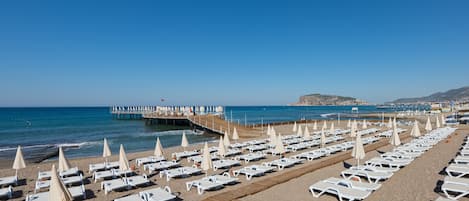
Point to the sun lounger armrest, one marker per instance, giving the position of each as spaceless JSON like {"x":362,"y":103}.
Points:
{"x":226,"y":174}
{"x":167,"y":189}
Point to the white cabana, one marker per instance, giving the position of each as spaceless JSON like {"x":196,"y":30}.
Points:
{"x":349,"y":123}
{"x":221,"y":147}
{"x":390,"y":123}
{"x":106,"y":150}
{"x":123,"y":162}
{"x":437,"y":122}
{"x":306,"y":134}
{"x":184,"y":142}
{"x":353,"y":129}
{"x":323,"y":138}
{"x":279,"y":148}
{"x":226,"y":139}
{"x":57,"y":190}
{"x":358,"y":152}
{"x":324,"y":125}
{"x":18,"y":163}
{"x":273,"y":140}
{"x":315,"y":125}
{"x":395,"y":139}
{"x":332,"y":130}
{"x":428,"y":125}
{"x":235,"y":134}
{"x":364,"y":126}
{"x":294,"y":129}
{"x":158,"y":148}
{"x":63,"y":162}
{"x":206,"y":159}
{"x":443,"y":121}
{"x":415,"y":132}
{"x":300,"y":131}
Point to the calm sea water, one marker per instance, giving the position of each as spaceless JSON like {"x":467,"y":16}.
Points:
{"x":40,"y":130}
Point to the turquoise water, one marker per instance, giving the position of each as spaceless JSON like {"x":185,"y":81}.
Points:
{"x":41,"y":130}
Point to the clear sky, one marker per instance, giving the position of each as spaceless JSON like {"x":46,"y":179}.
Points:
{"x":240,"y":52}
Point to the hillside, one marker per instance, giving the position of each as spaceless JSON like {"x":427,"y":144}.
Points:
{"x":319,"y":99}
{"x":460,"y":94}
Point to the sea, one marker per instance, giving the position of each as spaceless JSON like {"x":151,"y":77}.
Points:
{"x":80,"y":130}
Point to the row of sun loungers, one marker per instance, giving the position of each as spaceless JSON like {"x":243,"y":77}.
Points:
{"x":112,"y":173}
{"x":77,"y":192}
{"x":211,"y":183}
{"x":103,"y":166}
{"x":351,"y":186}
{"x":68,"y":181}
{"x":124,"y":183}
{"x":456,"y":184}
{"x":46,"y":174}
{"x":180,"y":172}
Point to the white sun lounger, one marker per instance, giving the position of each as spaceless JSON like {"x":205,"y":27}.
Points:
{"x":370,"y":175}
{"x":203,"y":184}
{"x":232,"y":152}
{"x":338,"y":190}
{"x":184,"y":154}
{"x":115,"y":184}
{"x":158,"y":194}
{"x":312,"y":155}
{"x":199,"y":158}
{"x":457,"y":170}
{"x":6,"y":192}
{"x":251,"y":157}
{"x":456,"y":180}
{"x":68,"y":181}
{"x":133,"y":197}
{"x":224,"y":163}
{"x":253,"y":170}
{"x":118,"y":172}
{"x":223,"y":179}
{"x":283,"y":163}
{"x":461,"y":159}
{"x":103,"y":175}
{"x":137,"y":180}
{"x":46,"y":174}
{"x":6,"y":181}
{"x":76,"y":192}
{"x":103,"y":166}
{"x":258,"y":147}
{"x":155,"y":194}
{"x":160,"y":166}
{"x":366,"y":186}
{"x":459,"y":189}
{"x":391,"y":162}
{"x":374,"y":168}
{"x":149,"y":159}
{"x":443,"y":199}
{"x":180,"y":172}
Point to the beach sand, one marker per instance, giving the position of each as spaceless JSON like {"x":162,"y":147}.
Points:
{"x":284,"y":191}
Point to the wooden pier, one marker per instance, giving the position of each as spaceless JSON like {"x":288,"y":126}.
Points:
{"x":206,"y":118}
{"x":209,"y":122}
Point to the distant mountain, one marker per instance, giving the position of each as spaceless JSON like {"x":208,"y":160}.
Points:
{"x":318,"y":99}
{"x":461,"y":94}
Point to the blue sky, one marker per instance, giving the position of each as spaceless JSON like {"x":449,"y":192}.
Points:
{"x":83,"y":53}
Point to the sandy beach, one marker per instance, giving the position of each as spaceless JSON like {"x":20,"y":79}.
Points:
{"x":281,"y":190}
